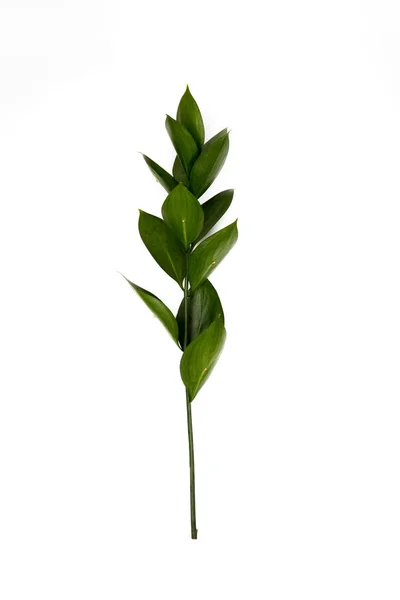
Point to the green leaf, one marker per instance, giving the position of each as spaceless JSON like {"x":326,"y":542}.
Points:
{"x":209,"y":163}
{"x":214,"y":209}
{"x":160,"y":310}
{"x":182,"y":212}
{"x":179,"y":172}
{"x":216,"y":137}
{"x":201,"y":356}
{"x":161,"y":175}
{"x":189,"y":116}
{"x":162,"y":245}
{"x":204,"y":307}
{"x":207,"y":256}
{"x":184,"y":144}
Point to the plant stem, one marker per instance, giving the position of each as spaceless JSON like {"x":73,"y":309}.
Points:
{"x":191,"y":463}
{"x":189,"y":411}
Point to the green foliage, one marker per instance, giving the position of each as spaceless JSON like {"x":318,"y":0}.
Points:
{"x":182,"y":212}
{"x":179,"y":172}
{"x":162,"y":244}
{"x":178,"y":244}
{"x":159,"y":309}
{"x":204,"y":307}
{"x":189,"y":116}
{"x":208,"y":255}
{"x":214,"y":209}
{"x":201,"y":356}
{"x":161,"y":175}
{"x":184,"y":144}
{"x":209,"y":163}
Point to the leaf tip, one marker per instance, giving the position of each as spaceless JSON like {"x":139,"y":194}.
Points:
{"x":126,"y":279}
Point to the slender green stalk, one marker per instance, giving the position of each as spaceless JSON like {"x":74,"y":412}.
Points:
{"x":191,"y":463}
{"x":189,"y":410}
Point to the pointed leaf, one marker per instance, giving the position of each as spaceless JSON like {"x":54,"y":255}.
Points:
{"x":216,"y":137}
{"x":214,"y":209}
{"x":184,"y":144}
{"x":182,"y":212}
{"x":209,"y":253}
{"x":204,"y":307}
{"x":189,"y":116}
{"x":164,"y":247}
{"x":161,"y":175}
{"x":209,"y":163}
{"x":179,"y":172}
{"x":160,"y":310}
{"x":201,"y":356}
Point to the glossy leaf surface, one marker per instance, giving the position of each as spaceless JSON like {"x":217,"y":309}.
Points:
{"x":201,"y":356}
{"x":162,"y":245}
{"x":184,"y":144}
{"x":209,"y":253}
{"x":159,"y":309}
{"x":214,"y":209}
{"x":189,"y":116}
{"x":182,"y":212}
{"x":209,"y":163}
{"x":179,"y":172}
{"x":204,"y":307}
{"x":161,"y":175}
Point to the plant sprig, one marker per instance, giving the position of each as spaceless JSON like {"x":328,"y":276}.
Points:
{"x":179,"y":245}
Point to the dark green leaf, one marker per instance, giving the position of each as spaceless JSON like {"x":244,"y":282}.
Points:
{"x":201,"y":356}
{"x":209,"y":163}
{"x":182,"y":212}
{"x":162,"y":245}
{"x":184,"y":144}
{"x":160,"y":310}
{"x":190,"y":116}
{"x":207,"y":256}
{"x":179,"y":172}
{"x":214,"y":209}
{"x":162,"y":176}
{"x":204,"y":307}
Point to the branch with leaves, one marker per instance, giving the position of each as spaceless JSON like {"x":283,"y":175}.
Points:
{"x":178,"y":243}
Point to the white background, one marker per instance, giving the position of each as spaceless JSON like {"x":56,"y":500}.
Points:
{"x":297,"y":431}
